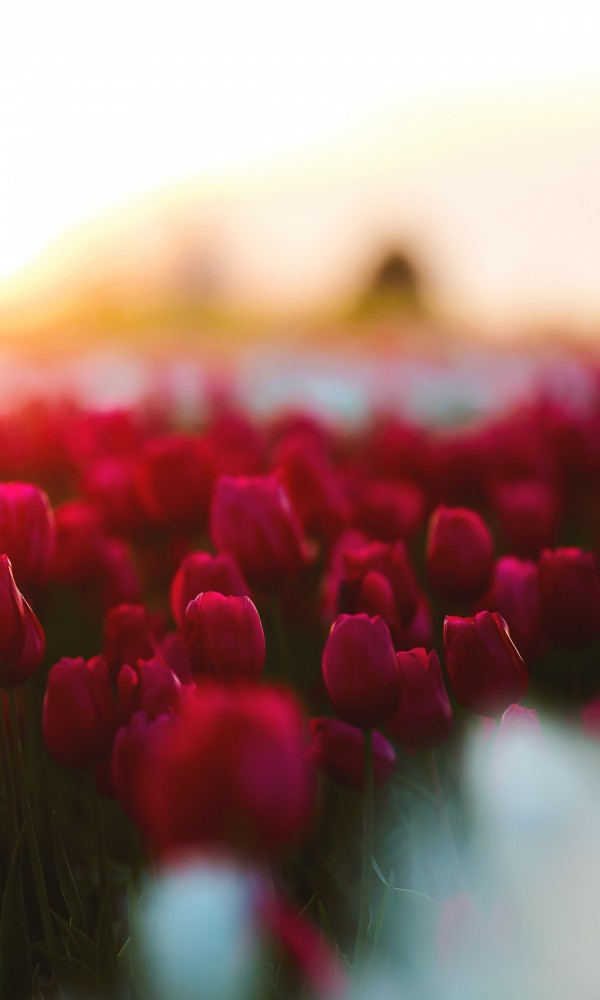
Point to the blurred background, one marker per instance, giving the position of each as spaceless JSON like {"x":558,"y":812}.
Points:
{"x":201,"y":177}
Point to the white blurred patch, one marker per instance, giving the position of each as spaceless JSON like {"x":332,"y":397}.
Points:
{"x":199,"y":934}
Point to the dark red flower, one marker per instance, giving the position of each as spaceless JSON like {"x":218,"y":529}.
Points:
{"x":485,"y":668}
{"x":529,"y":515}
{"x":379,"y":580}
{"x":569,"y":596}
{"x":252,"y":518}
{"x":131,"y":633}
{"x":424,"y":716}
{"x":515,"y":594}
{"x":27,"y":532}
{"x":12,"y":617}
{"x":201,"y":571}
{"x":31,"y":655}
{"x":149,"y":686}
{"x":224,"y":637}
{"x":337,"y":749}
{"x":175,"y":477}
{"x":359,"y":670}
{"x":233,"y":773}
{"x":459,"y":553}
{"x":79,"y":717}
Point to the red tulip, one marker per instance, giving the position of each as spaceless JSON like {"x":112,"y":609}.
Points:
{"x":136,"y":747}
{"x":201,"y":571}
{"x":12,"y":617}
{"x":79,"y":717}
{"x":359,"y":670}
{"x":224,"y":637}
{"x":150,"y":686}
{"x":31,"y":655}
{"x":529,"y":513}
{"x":175,"y":478}
{"x":460,"y":553}
{"x":570,"y":597}
{"x":337,"y":749}
{"x":252,"y":518}
{"x":380,"y":581}
{"x":232,"y":774}
{"x":27,"y":532}
{"x":485,"y":668}
{"x":424,"y":716}
{"x":312,"y":484}
{"x":515,"y":594}
{"x":130,"y":634}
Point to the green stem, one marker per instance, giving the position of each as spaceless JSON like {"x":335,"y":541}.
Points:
{"x":99,"y":841}
{"x":434,"y":776}
{"x":30,"y":834}
{"x":9,"y":784}
{"x":367,"y":852}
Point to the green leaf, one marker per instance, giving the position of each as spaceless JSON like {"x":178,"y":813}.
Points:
{"x":86,"y":948}
{"x":382,"y":908}
{"x":15,"y":957}
{"x":106,"y":957}
{"x":68,"y":885}
{"x":72,"y":974}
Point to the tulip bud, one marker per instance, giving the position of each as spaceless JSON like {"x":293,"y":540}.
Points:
{"x":459,"y":553}
{"x":570,"y":597}
{"x":79,"y":716}
{"x":175,"y":478}
{"x":201,"y":571}
{"x":485,"y":668}
{"x":392,"y":593}
{"x":31,"y":656}
{"x":233,"y":773}
{"x":391,"y":510}
{"x":515,"y":594}
{"x":150,"y":686}
{"x":130,"y":634}
{"x":27,"y":532}
{"x":252,"y":518}
{"x":12,"y":615}
{"x":529,"y":514}
{"x":337,"y":749}
{"x":135,"y":746}
{"x":424,"y":716}
{"x":359,"y":670}
{"x":312,"y":485}
{"x":225,"y":638}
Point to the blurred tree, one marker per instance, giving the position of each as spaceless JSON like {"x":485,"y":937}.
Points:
{"x":394,"y":287}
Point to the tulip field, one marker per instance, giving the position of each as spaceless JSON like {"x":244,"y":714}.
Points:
{"x":240,"y":663}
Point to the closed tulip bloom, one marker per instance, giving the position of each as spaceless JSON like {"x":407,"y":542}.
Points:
{"x":459,"y":553}
{"x":515,"y":594}
{"x":175,"y":477}
{"x":232,"y":774}
{"x":359,"y":670}
{"x":485,"y":668}
{"x":201,"y":571}
{"x":31,"y":655}
{"x":312,"y":484}
{"x":529,"y":515}
{"x":253,"y":519}
{"x":337,"y":749}
{"x":131,"y":633}
{"x":393,"y":593}
{"x":12,"y":616}
{"x":424,"y":716}
{"x":224,"y":637}
{"x":150,"y":686}
{"x":27,"y":532}
{"x":79,"y":716}
{"x":570,"y":597}
{"x":133,"y":750}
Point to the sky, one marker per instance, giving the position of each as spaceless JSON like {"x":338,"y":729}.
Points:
{"x":105,"y":102}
